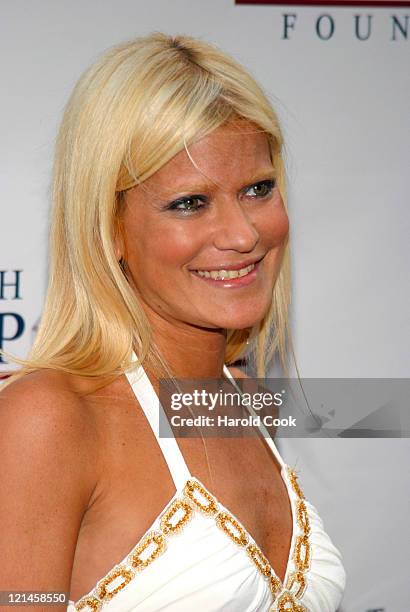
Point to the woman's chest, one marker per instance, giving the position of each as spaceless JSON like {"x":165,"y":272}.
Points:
{"x":135,"y":486}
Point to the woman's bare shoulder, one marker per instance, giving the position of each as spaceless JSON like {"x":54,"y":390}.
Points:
{"x":48,"y":478}
{"x":45,"y":394}
{"x":45,"y":409}
{"x":44,"y":416}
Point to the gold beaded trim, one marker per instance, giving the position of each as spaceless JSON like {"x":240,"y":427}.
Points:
{"x":296,"y":584}
{"x":197,"y":497}
{"x":275,"y":585}
{"x":259,"y":559}
{"x":302,"y":517}
{"x":229,"y":525}
{"x":119,"y":572}
{"x":286,"y":603}
{"x":294,"y":482}
{"x":302,"y":553}
{"x":192,"y":489}
{"x":92,"y":603}
{"x":155,"y":538}
{"x":179,"y":504}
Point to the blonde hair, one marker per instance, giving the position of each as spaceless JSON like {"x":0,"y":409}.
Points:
{"x":129,"y":114}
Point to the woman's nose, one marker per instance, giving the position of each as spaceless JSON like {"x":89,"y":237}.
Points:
{"x":234,"y":228}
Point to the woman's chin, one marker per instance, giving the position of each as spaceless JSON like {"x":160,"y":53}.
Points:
{"x":238,"y":320}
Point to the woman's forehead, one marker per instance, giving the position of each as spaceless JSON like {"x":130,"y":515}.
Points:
{"x":224,"y":153}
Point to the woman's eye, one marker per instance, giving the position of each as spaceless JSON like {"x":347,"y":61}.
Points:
{"x":262,"y":189}
{"x":187,"y":205}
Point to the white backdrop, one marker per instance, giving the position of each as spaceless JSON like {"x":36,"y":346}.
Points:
{"x":343,"y":103}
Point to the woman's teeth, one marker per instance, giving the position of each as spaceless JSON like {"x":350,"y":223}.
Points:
{"x":224,"y":274}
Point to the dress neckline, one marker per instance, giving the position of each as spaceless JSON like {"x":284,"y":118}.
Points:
{"x":181,"y":475}
{"x":177,"y":497}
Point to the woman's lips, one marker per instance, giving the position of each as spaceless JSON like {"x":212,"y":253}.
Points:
{"x":241,"y":281}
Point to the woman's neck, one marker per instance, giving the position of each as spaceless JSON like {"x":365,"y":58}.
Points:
{"x":191,"y":352}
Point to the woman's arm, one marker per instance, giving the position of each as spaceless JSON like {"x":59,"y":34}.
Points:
{"x":46,"y":481}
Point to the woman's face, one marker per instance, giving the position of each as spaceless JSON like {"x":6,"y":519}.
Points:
{"x":185,"y":225}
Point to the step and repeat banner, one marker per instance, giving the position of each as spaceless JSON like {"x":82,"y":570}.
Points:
{"x":337,"y":74}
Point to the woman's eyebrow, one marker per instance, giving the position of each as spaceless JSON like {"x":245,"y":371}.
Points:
{"x":261,"y":175}
{"x":197,"y":188}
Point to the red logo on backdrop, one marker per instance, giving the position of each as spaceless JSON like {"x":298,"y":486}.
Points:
{"x":375,"y":3}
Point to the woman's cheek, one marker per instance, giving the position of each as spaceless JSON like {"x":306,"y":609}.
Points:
{"x":282,"y":226}
{"x":275,"y":230}
{"x":182,"y":243}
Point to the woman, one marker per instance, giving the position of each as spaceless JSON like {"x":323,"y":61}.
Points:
{"x":169,"y":257}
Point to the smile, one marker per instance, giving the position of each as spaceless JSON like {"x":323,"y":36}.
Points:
{"x":225,"y":274}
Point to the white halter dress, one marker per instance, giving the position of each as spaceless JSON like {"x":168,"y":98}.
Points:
{"x":197,"y":557}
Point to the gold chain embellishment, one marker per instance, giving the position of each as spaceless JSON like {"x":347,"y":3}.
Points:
{"x":259,"y":559}
{"x":92,"y":603}
{"x":294,"y":482}
{"x":296,"y":584}
{"x":286,"y":603}
{"x":193,"y":487}
{"x":119,"y":572}
{"x":197,"y":497}
{"x":275,"y":585}
{"x":179,"y":504}
{"x":153,"y":537}
{"x":134,"y":559}
{"x":302,"y":544}
{"x":224,"y":520}
{"x":302,"y":517}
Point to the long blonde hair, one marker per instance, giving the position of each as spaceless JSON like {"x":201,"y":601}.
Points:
{"x":129,"y":114}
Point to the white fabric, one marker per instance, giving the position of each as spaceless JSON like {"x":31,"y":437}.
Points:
{"x":202,"y":569}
